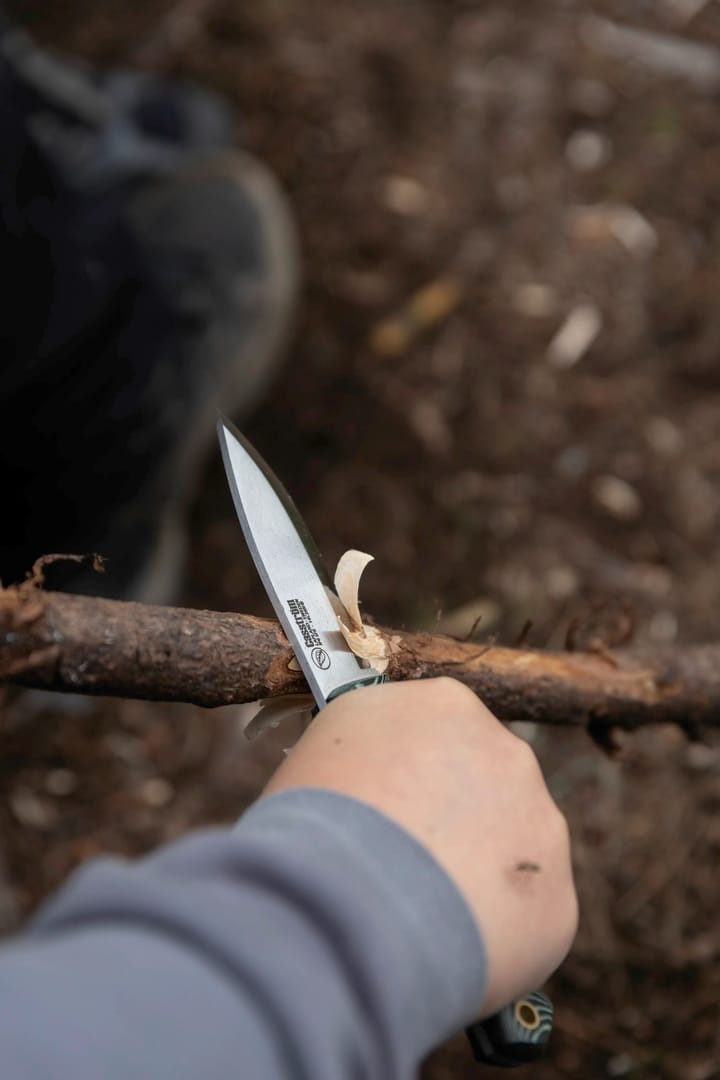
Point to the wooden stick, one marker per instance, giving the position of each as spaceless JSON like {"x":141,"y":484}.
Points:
{"x":94,"y":646}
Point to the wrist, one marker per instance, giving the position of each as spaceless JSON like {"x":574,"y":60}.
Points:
{"x":387,"y":889}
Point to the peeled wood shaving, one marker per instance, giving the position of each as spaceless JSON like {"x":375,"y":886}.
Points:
{"x":347,"y":583}
{"x":365,"y":641}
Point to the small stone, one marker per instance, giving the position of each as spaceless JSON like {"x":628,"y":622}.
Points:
{"x":156,"y":792}
{"x":633,"y":230}
{"x":663,"y":437}
{"x":588,"y":150}
{"x":535,"y":300}
{"x":406,"y":196}
{"x":561,"y":582}
{"x":625,"y":224}
{"x":31,"y":811}
{"x":617,"y":497}
{"x":575,"y":336}
{"x":60,"y":782}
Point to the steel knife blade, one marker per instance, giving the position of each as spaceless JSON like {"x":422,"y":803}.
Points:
{"x":291,"y":569}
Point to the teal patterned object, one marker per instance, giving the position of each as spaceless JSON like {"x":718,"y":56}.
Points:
{"x":516,"y":1035}
{"x":374,"y":680}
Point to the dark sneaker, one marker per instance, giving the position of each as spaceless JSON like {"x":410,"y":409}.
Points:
{"x":151,"y":274}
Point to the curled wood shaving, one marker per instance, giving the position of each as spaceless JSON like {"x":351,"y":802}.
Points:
{"x":365,"y":641}
{"x":368,"y":644}
{"x":347,"y":583}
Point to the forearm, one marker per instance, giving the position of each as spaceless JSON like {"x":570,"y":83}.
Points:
{"x":317,"y":940}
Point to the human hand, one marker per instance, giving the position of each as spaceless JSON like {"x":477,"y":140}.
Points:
{"x":432,"y":758}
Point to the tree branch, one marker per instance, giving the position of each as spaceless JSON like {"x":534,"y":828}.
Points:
{"x":86,"y":645}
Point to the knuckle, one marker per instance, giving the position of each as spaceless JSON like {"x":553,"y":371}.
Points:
{"x":454,"y":694}
{"x":556,"y":826}
{"x":452,"y":688}
{"x":558,"y":835}
{"x":444,"y":685}
{"x":561,"y":826}
{"x":573,"y":911}
{"x":568,"y":911}
{"x":525,"y":758}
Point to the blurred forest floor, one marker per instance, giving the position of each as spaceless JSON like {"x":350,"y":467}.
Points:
{"x":546,"y":446}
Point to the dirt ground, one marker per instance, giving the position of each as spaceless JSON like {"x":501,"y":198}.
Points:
{"x":542,"y":169}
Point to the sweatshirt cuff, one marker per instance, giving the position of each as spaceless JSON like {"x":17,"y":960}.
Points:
{"x":393,"y":891}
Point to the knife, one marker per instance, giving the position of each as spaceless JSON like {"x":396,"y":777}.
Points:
{"x":297,"y":583}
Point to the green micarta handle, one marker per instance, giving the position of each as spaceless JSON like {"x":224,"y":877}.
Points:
{"x":369,"y":680}
{"x":516,"y":1035}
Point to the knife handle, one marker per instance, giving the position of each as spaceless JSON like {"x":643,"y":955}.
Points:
{"x":516,"y":1035}
{"x":370,"y":680}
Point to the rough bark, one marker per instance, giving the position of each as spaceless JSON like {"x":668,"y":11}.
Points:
{"x":58,"y":642}
{"x":72,"y":643}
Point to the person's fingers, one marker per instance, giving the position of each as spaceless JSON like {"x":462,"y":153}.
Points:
{"x":433,"y":758}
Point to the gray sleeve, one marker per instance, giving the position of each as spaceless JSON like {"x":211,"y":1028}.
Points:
{"x":314,"y":941}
